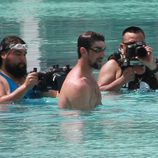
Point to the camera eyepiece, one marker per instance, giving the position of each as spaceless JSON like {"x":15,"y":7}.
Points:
{"x":34,"y":69}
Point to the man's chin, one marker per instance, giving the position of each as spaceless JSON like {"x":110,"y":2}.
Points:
{"x":18,"y":73}
{"x":100,"y":63}
{"x":22,"y":66}
{"x":97,"y":66}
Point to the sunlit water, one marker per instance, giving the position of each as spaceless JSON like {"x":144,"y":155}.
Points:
{"x":51,"y":27}
{"x":124,"y":126}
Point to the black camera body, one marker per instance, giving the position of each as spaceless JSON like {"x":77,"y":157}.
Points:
{"x":52,"y":79}
{"x":136,"y":50}
{"x":130,"y":63}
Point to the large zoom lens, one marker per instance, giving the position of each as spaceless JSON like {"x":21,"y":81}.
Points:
{"x":140,"y":52}
{"x":136,"y":50}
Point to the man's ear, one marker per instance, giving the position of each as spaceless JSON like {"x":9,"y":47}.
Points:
{"x":122,"y":48}
{"x":3,"y":55}
{"x":83,"y":51}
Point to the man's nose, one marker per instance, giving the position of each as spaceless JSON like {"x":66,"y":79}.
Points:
{"x":23,"y":57}
{"x":103,"y":53}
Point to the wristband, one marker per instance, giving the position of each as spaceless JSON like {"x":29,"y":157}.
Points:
{"x":155,"y":70}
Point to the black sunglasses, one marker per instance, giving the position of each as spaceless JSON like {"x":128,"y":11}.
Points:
{"x":98,"y":49}
{"x":131,"y":43}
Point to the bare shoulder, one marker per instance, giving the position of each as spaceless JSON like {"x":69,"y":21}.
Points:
{"x":108,"y":72}
{"x":3,"y":82}
{"x":110,"y":64}
{"x":76,"y":80}
{"x":74,"y":93}
{"x":4,"y":87}
{"x":76,"y":89}
{"x":75,"y":84}
{"x":79,"y":84}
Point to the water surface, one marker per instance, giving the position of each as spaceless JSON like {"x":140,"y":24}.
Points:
{"x":124,"y":126}
{"x":51,"y":28}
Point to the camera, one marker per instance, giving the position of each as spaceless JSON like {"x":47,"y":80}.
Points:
{"x":52,"y":79}
{"x":126,"y":62}
{"x":136,"y":50}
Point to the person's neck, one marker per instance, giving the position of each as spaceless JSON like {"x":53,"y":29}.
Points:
{"x":85,"y":67}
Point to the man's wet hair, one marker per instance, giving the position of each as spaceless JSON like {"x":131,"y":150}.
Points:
{"x":6,"y":42}
{"x":87,"y":39}
{"x":133,"y":29}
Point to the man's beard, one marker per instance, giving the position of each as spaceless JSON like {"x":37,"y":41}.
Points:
{"x":17,"y":71}
{"x":96,"y":65}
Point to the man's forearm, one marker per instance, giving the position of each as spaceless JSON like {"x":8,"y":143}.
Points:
{"x":15,"y":95}
{"x":113,"y":86}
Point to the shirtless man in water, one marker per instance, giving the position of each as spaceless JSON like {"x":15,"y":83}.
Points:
{"x":80,"y":90}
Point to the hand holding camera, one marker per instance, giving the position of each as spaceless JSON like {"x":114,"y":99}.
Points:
{"x":31,"y":80}
{"x":140,"y":52}
{"x":128,"y":74}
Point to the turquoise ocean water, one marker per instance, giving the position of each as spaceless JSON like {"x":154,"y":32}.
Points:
{"x":124,"y":126}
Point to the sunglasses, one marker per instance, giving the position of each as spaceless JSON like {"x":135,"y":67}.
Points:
{"x":98,"y":49}
{"x":18,"y":46}
{"x":131,"y":43}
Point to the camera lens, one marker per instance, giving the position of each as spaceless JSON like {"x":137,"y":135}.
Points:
{"x":130,"y":51}
{"x":141,"y":52}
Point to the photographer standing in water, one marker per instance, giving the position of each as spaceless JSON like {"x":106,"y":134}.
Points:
{"x":15,"y":82}
{"x":133,"y":66}
{"x":80,"y":90}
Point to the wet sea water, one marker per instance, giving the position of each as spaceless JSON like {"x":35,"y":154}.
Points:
{"x":51,"y":28}
{"x":124,"y":126}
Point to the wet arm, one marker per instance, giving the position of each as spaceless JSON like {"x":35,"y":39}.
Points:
{"x":51,"y":93}
{"x":14,"y":96}
{"x":110,"y":81}
{"x":150,"y":61}
{"x":154,"y":68}
{"x":18,"y":94}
